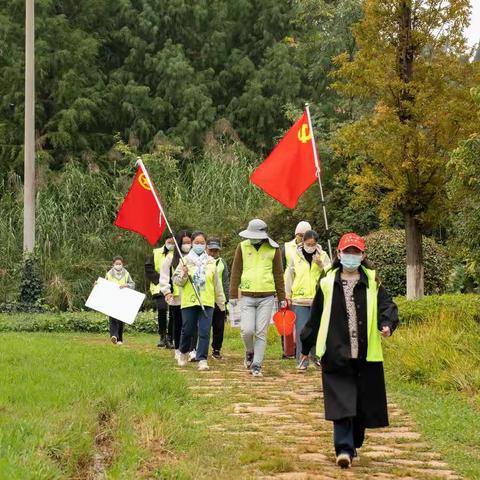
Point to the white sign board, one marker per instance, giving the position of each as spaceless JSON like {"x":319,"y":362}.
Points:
{"x":120,"y":303}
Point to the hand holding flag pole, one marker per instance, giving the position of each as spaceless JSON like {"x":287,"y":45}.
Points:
{"x":162,"y":214}
{"x":142,"y":212}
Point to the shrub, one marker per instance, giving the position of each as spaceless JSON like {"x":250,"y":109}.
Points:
{"x":386,"y":248}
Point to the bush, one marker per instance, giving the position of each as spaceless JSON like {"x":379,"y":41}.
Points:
{"x":81,"y":321}
{"x":386,"y":249}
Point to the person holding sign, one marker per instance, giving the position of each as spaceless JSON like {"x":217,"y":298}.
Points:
{"x":119,"y":275}
{"x":198,"y":271}
{"x":306,"y":266}
{"x":351,"y":312}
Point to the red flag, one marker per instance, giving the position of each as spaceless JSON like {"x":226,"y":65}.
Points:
{"x":290,"y":169}
{"x":140,"y":211}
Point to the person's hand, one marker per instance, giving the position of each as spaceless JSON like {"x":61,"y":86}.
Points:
{"x":169,"y":298}
{"x":185,"y":269}
{"x":385,"y":332}
{"x":283,"y":304}
{"x":318,"y":260}
{"x":123,"y":286}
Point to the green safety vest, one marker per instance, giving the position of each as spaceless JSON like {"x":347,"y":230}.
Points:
{"x":257,"y":274}
{"x":290,"y":251}
{"x":306,"y":278}
{"x":374,"y":348}
{"x":120,"y":281}
{"x":159,"y":257}
{"x":207,"y":294}
{"x":220,"y":269}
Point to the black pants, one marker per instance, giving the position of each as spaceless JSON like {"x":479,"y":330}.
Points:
{"x":176,"y":316}
{"x":348,"y":435}
{"x":163,"y":314}
{"x":218,"y":329}
{"x":116,"y":328}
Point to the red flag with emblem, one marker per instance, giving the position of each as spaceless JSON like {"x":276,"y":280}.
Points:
{"x":140,"y":211}
{"x":290,"y":169}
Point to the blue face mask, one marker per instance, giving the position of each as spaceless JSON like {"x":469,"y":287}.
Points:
{"x":350,"y":261}
{"x":198,"y":248}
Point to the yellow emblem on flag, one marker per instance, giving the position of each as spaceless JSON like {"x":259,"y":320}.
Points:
{"x":142,"y":180}
{"x":304,"y":134}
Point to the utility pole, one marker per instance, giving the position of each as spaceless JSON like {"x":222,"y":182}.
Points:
{"x":29,"y":143}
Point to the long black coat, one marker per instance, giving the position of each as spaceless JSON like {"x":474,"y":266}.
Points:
{"x":352,"y":388}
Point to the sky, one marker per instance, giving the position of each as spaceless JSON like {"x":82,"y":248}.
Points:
{"x":473,"y":32}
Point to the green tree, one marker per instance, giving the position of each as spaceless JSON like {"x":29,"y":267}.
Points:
{"x":411,"y":66}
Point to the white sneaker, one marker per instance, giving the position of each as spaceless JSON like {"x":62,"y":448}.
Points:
{"x":182,"y":359}
{"x":344,"y":460}
{"x":177,"y":354}
{"x":119,"y":343}
{"x":203,"y":365}
{"x":192,"y":355}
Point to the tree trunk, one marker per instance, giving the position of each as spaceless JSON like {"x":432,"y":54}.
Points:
{"x":415,"y":278}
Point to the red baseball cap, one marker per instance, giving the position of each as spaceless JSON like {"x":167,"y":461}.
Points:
{"x":351,"y":240}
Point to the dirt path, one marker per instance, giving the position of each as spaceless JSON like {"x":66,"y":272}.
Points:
{"x":283,"y":414}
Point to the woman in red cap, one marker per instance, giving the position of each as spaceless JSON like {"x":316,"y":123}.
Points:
{"x":350,"y":313}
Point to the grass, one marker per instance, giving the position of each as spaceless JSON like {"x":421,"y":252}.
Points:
{"x":433,"y":370}
{"x":71,"y":405}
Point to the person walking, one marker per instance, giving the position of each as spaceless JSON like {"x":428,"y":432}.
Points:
{"x":351,"y":312}
{"x":200,"y":270}
{"x":218,"y":321}
{"x":257,"y":273}
{"x":119,"y":275}
{"x":172,"y":292}
{"x":153,"y":266}
{"x":302,"y":277}
{"x":288,"y":253}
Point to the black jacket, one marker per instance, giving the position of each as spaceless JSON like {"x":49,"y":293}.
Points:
{"x":337,"y":353}
{"x":351,"y":388}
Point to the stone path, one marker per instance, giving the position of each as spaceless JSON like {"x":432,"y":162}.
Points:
{"x":282,"y":415}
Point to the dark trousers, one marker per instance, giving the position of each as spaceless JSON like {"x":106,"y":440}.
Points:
{"x":116,"y":328}
{"x":348,"y":435}
{"x":176,"y":316}
{"x":194,"y":319}
{"x":163,"y":314}
{"x":218,"y":329}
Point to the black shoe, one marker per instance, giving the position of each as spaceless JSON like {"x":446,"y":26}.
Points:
{"x":287,"y":357}
{"x":169,"y":343}
{"x":217,"y":355}
{"x":247,"y":362}
{"x":163,"y":341}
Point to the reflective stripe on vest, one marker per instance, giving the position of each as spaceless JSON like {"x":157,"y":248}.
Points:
{"x":290,"y":251}
{"x":207,"y":295}
{"x":306,"y":278}
{"x":159,"y":257}
{"x":120,"y":281}
{"x":374,"y":348}
{"x":257,"y":274}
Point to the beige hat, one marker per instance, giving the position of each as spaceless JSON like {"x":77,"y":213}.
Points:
{"x":302,"y":227}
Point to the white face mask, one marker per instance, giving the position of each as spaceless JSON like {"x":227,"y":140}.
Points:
{"x":118,"y":268}
{"x":186,"y":247}
{"x":170,"y":246}
{"x":309,"y":249}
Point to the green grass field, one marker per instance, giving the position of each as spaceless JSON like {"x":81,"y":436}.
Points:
{"x":73,"y":406}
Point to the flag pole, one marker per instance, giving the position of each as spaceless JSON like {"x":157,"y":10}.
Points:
{"x":317,"y":168}
{"x":147,"y":176}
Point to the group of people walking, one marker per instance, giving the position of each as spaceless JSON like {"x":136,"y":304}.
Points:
{"x":341,"y":312}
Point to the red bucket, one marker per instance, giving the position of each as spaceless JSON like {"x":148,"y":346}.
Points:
{"x":284,"y":320}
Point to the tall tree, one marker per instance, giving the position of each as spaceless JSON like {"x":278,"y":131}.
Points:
{"x":412,"y":66}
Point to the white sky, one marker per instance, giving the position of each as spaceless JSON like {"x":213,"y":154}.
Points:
{"x":473,"y":32}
